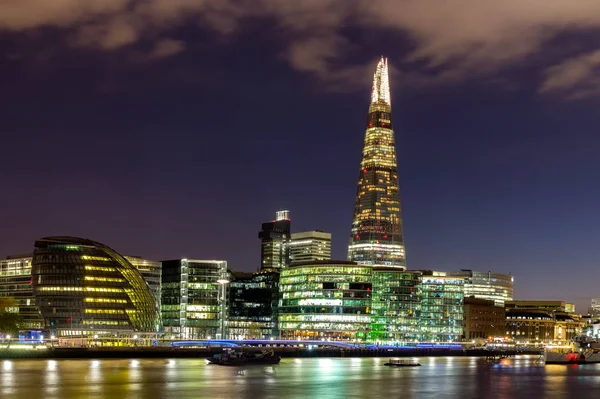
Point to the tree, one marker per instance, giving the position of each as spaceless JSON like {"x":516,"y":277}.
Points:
{"x":9,"y":317}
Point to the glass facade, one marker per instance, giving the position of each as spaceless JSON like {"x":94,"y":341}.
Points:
{"x":15,"y":282}
{"x":84,"y":288}
{"x":376,"y":235}
{"x":497,"y":287}
{"x":325,"y":300}
{"x":396,"y":305}
{"x":253,"y":301}
{"x":310,"y":246}
{"x":441,"y":312}
{"x":151,"y":271}
{"x":191,"y":301}
{"x":275,"y":242}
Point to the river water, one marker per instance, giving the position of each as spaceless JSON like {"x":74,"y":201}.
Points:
{"x":443,"y":377}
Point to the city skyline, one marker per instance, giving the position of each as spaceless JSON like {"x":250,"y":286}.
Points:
{"x":164,"y":142}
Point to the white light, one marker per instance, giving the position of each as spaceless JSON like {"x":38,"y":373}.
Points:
{"x":135,"y":337}
{"x":52,"y":337}
{"x":8,"y":337}
{"x":208,"y":337}
{"x":272,"y":338}
{"x":222,"y":281}
{"x":95,"y":336}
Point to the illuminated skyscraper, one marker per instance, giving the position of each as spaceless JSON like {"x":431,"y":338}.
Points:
{"x":310,"y":246}
{"x":275,"y":242}
{"x":376,"y":237}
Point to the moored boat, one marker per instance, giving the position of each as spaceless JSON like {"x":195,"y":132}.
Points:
{"x":244,"y":358}
{"x":582,"y":351}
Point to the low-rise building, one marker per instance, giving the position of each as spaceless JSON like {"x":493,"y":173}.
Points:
{"x":542,"y":321}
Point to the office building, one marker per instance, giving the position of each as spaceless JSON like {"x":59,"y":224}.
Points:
{"x":497,"y":287}
{"x":192,"y":302}
{"x":151,"y":271}
{"x":325,"y":300}
{"x":396,"y":306}
{"x":310,"y":246}
{"x":275,"y":239}
{"x":253,"y":301}
{"x":483,"y":320}
{"x":441,"y":312}
{"x":85,"y":288}
{"x":15,"y":282}
{"x":376,"y":235}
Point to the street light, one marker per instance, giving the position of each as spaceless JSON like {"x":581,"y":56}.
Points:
{"x":222,"y":281}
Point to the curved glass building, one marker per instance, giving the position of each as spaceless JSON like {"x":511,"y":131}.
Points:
{"x":326,"y":299}
{"x":84,"y":288}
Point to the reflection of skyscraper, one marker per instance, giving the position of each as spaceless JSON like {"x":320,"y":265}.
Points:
{"x":275,"y":240}
{"x":377,"y":224}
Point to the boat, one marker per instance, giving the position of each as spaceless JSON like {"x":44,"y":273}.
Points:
{"x":403,"y":363}
{"x":582,"y":350}
{"x":233,"y":358}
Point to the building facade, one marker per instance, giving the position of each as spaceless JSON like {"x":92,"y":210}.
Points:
{"x":310,"y":246}
{"x":15,"y":282}
{"x":542,"y":322}
{"x":151,"y":271}
{"x":253,"y":302}
{"x":191,"y":300}
{"x":275,"y":242}
{"x":395,"y":306}
{"x":483,"y":319}
{"x":497,"y":287}
{"x":376,"y":237}
{"x":325,"y":300}
{"x":441,"y":311}
{"x":85,"y":288}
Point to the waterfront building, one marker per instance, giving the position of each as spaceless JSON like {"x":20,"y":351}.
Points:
{"x":15,"y":282}
{"x":191,"y":299}
{"x":310,"y":246}
{"x":151,"y":271}
{"x":253,"y":301}
{"x":542,"y":321}
{"x":325,"y":300}
{"x":497,"y":287}
{"x":275,"y":242}
{"x":376,"y":235}
{"x":483,"y":319}
{"x":441,"y":311}
{"x":85,"y":288}
{"x":396,"y":306}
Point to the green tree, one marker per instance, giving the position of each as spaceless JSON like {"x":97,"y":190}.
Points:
{"x":9,"y":317}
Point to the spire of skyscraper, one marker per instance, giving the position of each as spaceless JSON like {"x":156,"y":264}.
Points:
{"x":381,"y":84}
{"x":376,"y":236}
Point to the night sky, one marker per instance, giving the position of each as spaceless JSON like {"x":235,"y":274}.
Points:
{"x":174,"y":128}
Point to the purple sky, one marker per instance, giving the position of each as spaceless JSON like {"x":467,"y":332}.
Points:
{"x":172,"y":128}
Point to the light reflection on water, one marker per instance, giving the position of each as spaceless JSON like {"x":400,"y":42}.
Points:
{"x":441,"y":377}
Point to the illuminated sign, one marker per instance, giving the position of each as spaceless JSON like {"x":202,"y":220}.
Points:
{"x":320,"y":302}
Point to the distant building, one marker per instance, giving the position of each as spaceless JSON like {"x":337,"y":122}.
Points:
{"x":253,"y":300}
{"x":15,"y":282}
{"x":325,"y":300}
{"x":542,"y":321}
{"x":310,"y":246}
{"x":376,"y":237}
{"x":275,"y":242}
{"x":85,"y":288}
{"x":497,"y":287}
{"x":483,"y":319}
{"x":190,"y":300}
{"x":594,"y":309}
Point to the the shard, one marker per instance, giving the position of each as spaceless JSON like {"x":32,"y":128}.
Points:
{"x":376,"y":238}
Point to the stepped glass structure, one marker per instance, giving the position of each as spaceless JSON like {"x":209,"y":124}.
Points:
{"x":376,"y":238}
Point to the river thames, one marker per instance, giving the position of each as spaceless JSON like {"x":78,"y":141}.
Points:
{"x":441,"y":377}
